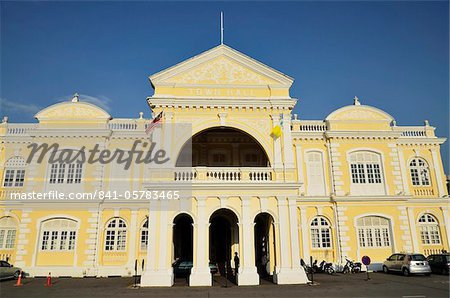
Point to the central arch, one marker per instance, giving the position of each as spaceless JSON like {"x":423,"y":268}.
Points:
{"x":224,"y":241}
{"x":222,"y":147}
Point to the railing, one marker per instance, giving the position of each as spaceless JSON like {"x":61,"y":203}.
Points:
{"x":424,"y":192}
{"x":412,"y":131}
{"x":8,"y":194}
{"x":223,"y":174}
{"x":309,"y":125}
{"x":433,"y":251}
{"x":20,"y":129}
{"x":124,"y":124}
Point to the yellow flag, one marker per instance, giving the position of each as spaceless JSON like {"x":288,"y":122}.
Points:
{"x":276,"y":132}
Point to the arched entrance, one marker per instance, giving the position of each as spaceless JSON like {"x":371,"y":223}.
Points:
{"x":224,"y":241}
{"x":222,"y":147}
{"x":265,"y":254}
{"x":182,"y":245}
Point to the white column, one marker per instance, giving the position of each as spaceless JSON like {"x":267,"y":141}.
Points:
{"x":305,"y":238}
{"x":277,"y":162}
{"x":248,"y":274}
{"x":446,"y":225}
{"x":132,"y":242}
{"x":295,"y":249}
{"x":288,"y":272}
{"x":401,"y":159}
{"x":287,"y":142}
{"x":437,"y":170}
{"x":413,"y":229}
{"x":200,"y":273}
{"x":157,"y":273}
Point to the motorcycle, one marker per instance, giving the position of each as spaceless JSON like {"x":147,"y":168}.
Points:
{"x":326,"y":267}
{"x":352,"y":267}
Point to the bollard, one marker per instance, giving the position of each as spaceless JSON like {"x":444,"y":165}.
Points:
{"x":49,"y":280}
{"x":312,"y":271}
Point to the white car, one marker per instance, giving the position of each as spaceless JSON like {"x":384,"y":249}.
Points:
{"x":8,"y":271}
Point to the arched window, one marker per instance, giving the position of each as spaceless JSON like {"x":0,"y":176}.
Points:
{"x":58,"y":234}
{"x":429,"y":229}
{"x":14,"y":172}
{"x":314,"y":171}
{"x":320,"y":233}
{"x":373,"y":231}
{"x":366,"y":173}
{"x":8,"y":231}
{"x":420,"y":174}
{"x":144,"y":235}
{"x":116,"y":235}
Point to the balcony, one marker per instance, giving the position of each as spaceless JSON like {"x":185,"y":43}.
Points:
{"x":423,"y":192}
{"x":223,"y":174}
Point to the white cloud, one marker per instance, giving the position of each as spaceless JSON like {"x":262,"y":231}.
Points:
{"x":101,"y":101}
{"x":10,"y":106}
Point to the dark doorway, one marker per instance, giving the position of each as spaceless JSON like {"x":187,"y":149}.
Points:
{"x":223,"y":242}
{"x":265,"y":255}
{"x":182,"y":248}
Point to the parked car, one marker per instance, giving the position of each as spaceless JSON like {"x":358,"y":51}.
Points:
{"x":407,"y":264}
{"x":8,"y":271}
{"x":439,"y":263}
{"x":183,"y":268}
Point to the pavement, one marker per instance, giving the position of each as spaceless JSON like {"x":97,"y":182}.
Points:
{"x":337,"y":285}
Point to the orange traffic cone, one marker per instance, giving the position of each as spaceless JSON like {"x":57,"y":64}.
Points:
{"x":19,"y":280}
{"x":49,"y":280}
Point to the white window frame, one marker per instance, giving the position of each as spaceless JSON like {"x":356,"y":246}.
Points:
{"x":115,"y":239}
{"x":315,"y":189}
{"x":364,"y":179}
{"x":8,"y":232}
{"x":14,"y":173}
{"x":419,"y":172}
{"x":58,"y":234}
{"x":143,"y":236}
{"x":320,"y":231}
{"x":374,"y":235}
{"x":429,"y":229}
{"x":64,"y":173}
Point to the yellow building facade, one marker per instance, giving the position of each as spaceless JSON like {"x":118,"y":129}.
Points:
{"x":350,"y":185}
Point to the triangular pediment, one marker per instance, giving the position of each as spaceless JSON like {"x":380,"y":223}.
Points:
{"x":220,"y":68}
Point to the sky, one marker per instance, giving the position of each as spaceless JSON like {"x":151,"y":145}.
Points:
{"x":392,"y":55}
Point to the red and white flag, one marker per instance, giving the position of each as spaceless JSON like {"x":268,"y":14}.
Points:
{"x":157,"y":120}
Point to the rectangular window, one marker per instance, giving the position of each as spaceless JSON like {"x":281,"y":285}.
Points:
{"x":9,"y":178}
{"x":78,"y":172}
{"x":20,"y":178}
{"x":10,"y":239}
{"x":45,"y":237}
{"x":354,"y":172}
{"x":53,"y":172}
{"x":415,"y":177}
{"x":53,"y":240}
{"x":72,"y":236}
{"x":362,"y":239}
{"x":121,"y":240}
{"x":386,"y":237}
{"x":144,"y":239}
{"x":315,"y":238}
{"x":362,"y":178}
{"x":369,"y":237}
{"x":70,"y":173}
{"x":63,"y":240}
{"x":110,"y":239}
{"x":61,"y":172}
{"x":326,"y":239}
{"x":378,"y":237}
{"x":2,"y":237}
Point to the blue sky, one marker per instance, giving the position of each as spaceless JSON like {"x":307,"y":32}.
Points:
{"x":392,"y":55}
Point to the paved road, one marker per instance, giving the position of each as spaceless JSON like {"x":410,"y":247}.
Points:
{"x":338,"y":285}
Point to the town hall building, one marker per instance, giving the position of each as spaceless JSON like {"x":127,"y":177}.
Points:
{"x":254,"y":180}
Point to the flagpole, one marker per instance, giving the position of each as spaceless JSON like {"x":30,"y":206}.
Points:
{"x":221,"y":27}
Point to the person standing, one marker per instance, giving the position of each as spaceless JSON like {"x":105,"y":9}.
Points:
{"x":236,"y":263}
